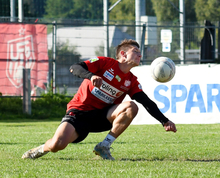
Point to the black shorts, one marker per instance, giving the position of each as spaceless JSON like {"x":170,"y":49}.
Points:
{"x":88,"y":121}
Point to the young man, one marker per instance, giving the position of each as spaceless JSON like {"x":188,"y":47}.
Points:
{"x":98,"y":106}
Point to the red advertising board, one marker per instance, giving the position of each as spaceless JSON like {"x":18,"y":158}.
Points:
{"x":22,"y":46}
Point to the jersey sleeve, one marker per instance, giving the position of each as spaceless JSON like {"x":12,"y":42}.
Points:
{"x":97,"y":63}
{"x":135,"y":86}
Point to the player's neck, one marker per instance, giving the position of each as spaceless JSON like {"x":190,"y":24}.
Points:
{"x":125,"y":68}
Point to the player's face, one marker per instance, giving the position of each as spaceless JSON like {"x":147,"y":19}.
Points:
{"x":133,"y":56}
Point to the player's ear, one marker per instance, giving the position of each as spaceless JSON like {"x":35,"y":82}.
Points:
{"x":123,"y":53}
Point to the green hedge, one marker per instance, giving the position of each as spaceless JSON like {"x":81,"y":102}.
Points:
{"x":48,"y":106}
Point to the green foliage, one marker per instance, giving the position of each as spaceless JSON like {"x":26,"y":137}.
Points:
{"x":31,"y":8}
{"x":10,"y":106}
{"x":190,"y":14}
{"x":198,"y":10}
{"x":125,"y":10}
{"x":141,"y":151}
{"x":46,"y":107}
{"x":165,"y":11}
{"x":58,"y":9}
{"x":149,"y":8}
{"x":49,"y":106}
{"x":92,"y":10}
{"x":207,"y":10}
{"x":76,"y":9}
{"x":169,"y":12}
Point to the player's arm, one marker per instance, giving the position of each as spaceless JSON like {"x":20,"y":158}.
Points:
{"x":81,"y":70}
{"x":152,"y":108}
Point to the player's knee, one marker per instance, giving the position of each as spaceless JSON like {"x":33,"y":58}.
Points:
{"x":132,"y":109}
{"x":57,"y":145}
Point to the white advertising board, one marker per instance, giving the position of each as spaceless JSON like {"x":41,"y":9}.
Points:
{"x":191,"y":97}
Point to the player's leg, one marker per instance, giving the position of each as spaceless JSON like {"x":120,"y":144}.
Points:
{"x":64,"y":135}
{"x":120,"y":116}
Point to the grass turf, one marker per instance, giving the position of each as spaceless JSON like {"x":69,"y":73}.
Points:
{"x":141,"y":151}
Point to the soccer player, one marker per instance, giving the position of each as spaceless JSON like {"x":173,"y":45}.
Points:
{"x":98,"y":105}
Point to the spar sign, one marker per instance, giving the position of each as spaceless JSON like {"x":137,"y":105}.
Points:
{"x":191,"y":97}
{"x":22,"y":47}
{"x":20,"y":54}
{"x":194,"y":98}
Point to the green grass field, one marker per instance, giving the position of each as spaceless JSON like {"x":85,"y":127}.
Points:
{"x":141,"y":151}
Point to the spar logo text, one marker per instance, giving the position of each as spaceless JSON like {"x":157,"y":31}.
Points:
{"x":180,"y":99}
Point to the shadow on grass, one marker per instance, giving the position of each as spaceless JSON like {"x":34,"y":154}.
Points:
{"x":29,"y":143}
{"x":203,"y":160}
{"x":165,"y":159}
{"x":94,"y":143}
{"x":135,"y":160}
{"x":30,"y":120}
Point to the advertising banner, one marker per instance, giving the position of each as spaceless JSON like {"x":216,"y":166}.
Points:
{"x":22,"y":46}
{"x":191,"y":97}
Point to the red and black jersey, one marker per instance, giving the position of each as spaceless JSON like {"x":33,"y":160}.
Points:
{"x":114,"y":88}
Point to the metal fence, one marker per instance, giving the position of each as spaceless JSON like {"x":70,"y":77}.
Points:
{"x":76,"y":41}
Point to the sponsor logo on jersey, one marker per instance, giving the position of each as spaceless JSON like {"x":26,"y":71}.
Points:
{"x":108,"y":75}
{"x":118,"y":78}
{"x":93,"y":59}
{"x":119,"y":94}
{"x":102,"y":96}
{"x":124,"y":88}
{"x":127,"y":83}
{"x":112,"y":91}
{"x":111,"y":70}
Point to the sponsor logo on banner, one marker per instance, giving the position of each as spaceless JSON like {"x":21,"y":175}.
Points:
{"x":24,"y":46}
{"x":192,"y":98}
{"x":108,"y":75}
{"x":110,"y":90}
{"x":20,"y":55}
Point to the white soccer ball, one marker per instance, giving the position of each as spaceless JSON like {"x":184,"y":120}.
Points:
{"x":163,"y":69}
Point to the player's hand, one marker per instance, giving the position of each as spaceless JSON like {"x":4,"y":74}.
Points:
{"x":170,"y":126}
{"x":96,"y":81}
{"x":71,"y":69}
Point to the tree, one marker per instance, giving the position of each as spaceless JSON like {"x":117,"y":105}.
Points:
{"x":165,"y":11}
{"x":32,"y":8}
{"x":84,"y":9}
{"x":169,"y":10}
{"x":58,"y":8}
{"x":92,"y":10}
{"x":76,"y":9}
{"x":207,"y":10}
{"x":190,"y":13}
{"x":149,"y":8}
{"x":125,"y":10}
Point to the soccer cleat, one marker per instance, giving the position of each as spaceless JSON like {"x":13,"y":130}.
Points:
{"x":103,"y":151}
{"x":34,"y":153}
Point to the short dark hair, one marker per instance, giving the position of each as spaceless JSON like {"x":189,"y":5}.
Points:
{"x":125,"y":45}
